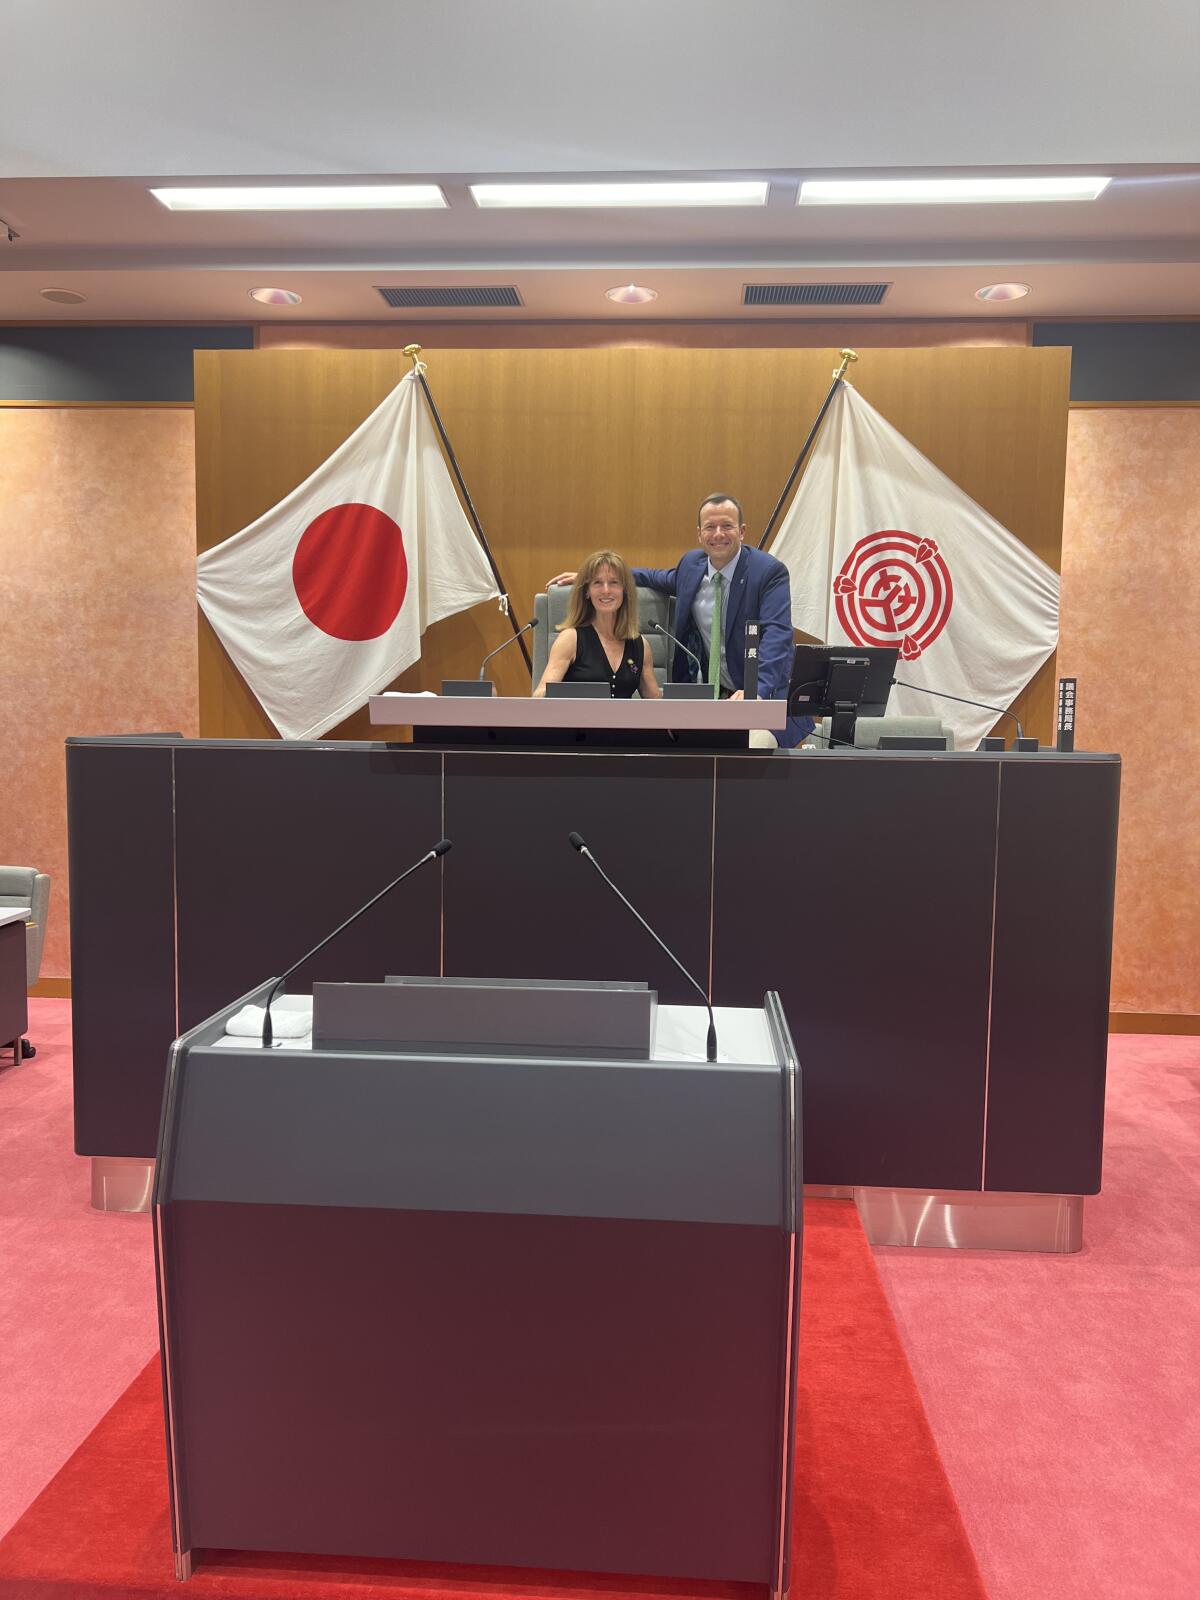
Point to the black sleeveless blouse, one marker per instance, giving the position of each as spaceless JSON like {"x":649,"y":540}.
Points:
{"x":591,"y":664}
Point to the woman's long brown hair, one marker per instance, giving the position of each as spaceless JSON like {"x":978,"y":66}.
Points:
{"x":580,"y":610}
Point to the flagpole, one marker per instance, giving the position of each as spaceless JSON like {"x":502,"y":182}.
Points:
{"x":413,"y":352}
{"x":847,"y":357}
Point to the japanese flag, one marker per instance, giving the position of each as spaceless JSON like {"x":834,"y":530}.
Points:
{"x":884,"y":549}
{"x":323,"y":600}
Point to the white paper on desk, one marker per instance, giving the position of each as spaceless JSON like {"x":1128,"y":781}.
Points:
{"x":291,"y":1018}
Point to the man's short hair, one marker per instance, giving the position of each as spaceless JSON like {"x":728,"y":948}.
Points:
{"x":716,"y":499}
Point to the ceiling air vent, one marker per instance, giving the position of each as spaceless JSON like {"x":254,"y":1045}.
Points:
{"x":430,"y":297}
{"x":814,"y":294}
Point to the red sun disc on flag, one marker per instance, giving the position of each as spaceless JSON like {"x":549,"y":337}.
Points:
{"x":350,"y":572}
{"x":894,"y":589}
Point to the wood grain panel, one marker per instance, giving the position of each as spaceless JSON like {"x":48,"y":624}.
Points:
{"x":569,"y":450}
{"x":640,"y":333}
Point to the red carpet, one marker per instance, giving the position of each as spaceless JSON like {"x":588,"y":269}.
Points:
{"x":874,"y":1516}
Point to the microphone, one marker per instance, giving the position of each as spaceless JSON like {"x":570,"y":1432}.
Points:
{"x":529,"y":626}
{"x":577,"y":842}
{"x":657,"y":627}
{"x":439,"y":849}
{"x":941,"y":694}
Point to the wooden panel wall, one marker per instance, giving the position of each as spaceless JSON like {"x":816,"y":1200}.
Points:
{"x":568,"y":450}
{"x":637,"y":332}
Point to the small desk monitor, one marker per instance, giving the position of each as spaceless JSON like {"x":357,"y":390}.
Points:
{"x":842,"y":682}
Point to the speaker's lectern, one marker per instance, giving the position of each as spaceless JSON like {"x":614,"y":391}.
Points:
{"x":494,"y":1273}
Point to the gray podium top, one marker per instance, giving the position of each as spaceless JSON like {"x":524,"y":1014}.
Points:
{"x":623,"y":716}
{"x":667,"y":1137}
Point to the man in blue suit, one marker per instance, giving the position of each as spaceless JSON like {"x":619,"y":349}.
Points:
{"x":752,"y":585}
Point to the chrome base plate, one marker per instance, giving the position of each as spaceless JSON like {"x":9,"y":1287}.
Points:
{"x":122,"y":1183}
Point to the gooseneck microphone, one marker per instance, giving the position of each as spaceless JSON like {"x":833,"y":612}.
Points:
{"x":940,"y":694}
{"x":439,"y":849}
{"x":657,"y":627}
{"x":528,"y":628}
{"x":578,"y":842}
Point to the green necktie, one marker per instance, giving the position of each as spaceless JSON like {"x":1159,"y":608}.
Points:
{"x":714,"y":635}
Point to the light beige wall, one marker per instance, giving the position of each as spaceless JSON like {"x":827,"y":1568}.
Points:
{"x":1131,"y":635}
{"x":97,"y":592}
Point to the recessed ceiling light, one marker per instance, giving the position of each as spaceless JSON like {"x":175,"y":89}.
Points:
{"x":946,"y":191}
{"x":304,"y":197}
{"x":615,"y":195}
{"x":275,"y":297}
{"x":631,"y":294}
{"x":63,"y":297}
{"x":1002,"y":291}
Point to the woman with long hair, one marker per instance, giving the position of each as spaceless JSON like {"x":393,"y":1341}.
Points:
{"x":599,"y":642}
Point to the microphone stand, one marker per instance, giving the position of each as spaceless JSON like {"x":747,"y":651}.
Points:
{"x":578,"y":843}
{"x":528,"y":628}
{"x":439,"y":849}
{"x":940,"y":694}
{"x":657,"y":627}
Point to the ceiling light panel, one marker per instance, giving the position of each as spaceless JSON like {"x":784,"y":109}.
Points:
{"x":616,"y":196}
{"x":947,"y":191}
{"x":304,"y":197}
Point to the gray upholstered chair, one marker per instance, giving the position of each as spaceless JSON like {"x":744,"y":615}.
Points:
{"x":26,"y":886}
{"x":867,"y":731}
{"x":550,"y":609}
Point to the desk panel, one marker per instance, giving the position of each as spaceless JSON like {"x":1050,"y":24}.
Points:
{"x":861,"y":888}
{"x":276,"y":846}
{"x":123,"y":1014}
{"x":1056,"y":867}
{"x":521,"y":903}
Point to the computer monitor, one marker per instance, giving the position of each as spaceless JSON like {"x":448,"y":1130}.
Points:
{"x":843,"y":682}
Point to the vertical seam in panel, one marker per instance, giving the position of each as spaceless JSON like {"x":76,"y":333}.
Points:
{"x":987,"y":1050}
{"x":712,"y":879}
{"x":175,"y":891}
{"x":442,"y":876}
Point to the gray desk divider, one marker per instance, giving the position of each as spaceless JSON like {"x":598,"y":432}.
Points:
{"x":535,"y":1310}
{"x":605,"y":1021}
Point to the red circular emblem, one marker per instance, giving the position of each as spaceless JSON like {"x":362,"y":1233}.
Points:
{"x":350,"y":572}
{"x":894,"y":589}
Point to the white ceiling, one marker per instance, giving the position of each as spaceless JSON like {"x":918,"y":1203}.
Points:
{"x":97,"y":102}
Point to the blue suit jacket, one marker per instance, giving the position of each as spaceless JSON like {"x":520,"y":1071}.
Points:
{"x":761,"y":590}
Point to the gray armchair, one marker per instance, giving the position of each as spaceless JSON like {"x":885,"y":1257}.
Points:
{"x":550,"y":609}
{"x":26,"y":886}
{"x":867,"y":731}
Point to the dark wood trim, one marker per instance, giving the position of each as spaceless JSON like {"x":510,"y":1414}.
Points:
{"x":1153,"y":1022}
{"x":51,"y":989}
{"x":96,"y":405}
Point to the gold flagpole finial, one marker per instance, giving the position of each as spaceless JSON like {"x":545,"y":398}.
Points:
{"x":847,"y":357}
{"x":413,"y":352}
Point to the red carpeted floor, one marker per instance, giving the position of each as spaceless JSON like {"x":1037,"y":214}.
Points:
{"x":874,"y":1518}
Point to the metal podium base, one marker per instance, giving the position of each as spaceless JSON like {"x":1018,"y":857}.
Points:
{"x":122,"y":1183}
{"x":956,"y":1219}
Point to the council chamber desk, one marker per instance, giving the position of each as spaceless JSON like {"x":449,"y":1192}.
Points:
{"x":938,"y":928}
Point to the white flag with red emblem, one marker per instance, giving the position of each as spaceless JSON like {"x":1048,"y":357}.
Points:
{"x":884,"y":549}
{"x":323,"y":600}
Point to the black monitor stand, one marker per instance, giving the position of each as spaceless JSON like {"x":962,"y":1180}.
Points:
{"x":842,"y":682}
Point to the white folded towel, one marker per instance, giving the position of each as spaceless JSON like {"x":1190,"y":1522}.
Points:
{"x":288,"y":1020}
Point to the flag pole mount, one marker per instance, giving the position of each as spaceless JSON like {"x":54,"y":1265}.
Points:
{"x":413,"y":352}
{"x":839,"y":374}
